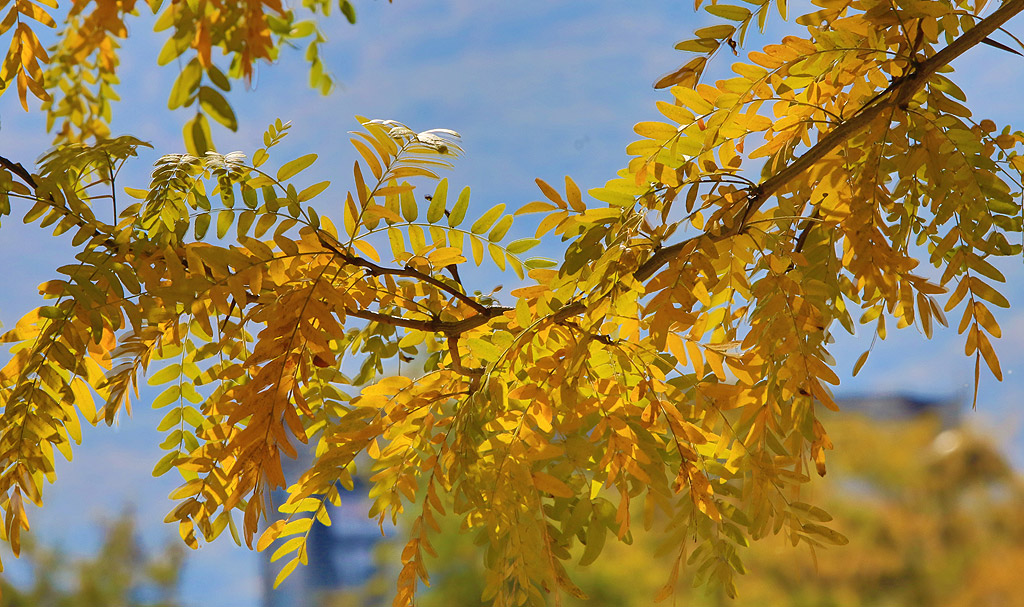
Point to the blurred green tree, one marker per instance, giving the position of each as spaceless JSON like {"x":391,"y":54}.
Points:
{"x":119,"y":574}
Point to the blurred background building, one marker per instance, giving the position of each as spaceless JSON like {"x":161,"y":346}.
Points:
{"x":342,"y":561}
{"x":887,"y":407}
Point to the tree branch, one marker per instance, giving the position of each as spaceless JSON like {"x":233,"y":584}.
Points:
{"x":599,"y":337}
{"x":407,"y":272}
{"x":453,"y":348}
{"x":18,"y":169}
{"x":896,"y":96}
{"x":447,"y":328}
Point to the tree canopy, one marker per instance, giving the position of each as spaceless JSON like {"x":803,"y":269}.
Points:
{"x":673,"y":363}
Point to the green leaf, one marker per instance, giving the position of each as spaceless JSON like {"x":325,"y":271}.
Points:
{"x":171,"y":419}
{"x":165,"y":375}
{"x":270,"y":198}
{"x":189,"y":392}
{"x":172,"y":49}
{"x":456,"y":239}
{"x":173,"y":440}
{"x":218,"y":107}
{"x":728,"y":11}
{"x":224,"y":220}
{"x":487,"y":219}
{"x":167,"y":397}
{"x":38,"y":210}
{"x":198,"y":140}
{"x":435,"y":212}
{"x":539,"y":262}
{"x":166,"y":463}
{"x":1005,"y":207}
{"x":477,"y":246}
{"x":408,"y":201}
{"x":517,"y":266}
{"x":397,"y":242}
{"x":286,"y":571}
{"x":192,"y":416}
{"x":523,"y":313}
{"x":136,"y":193}
{"x":497,"y":255}
{"x":348,"y":10}
{"x":302,"y":29}
{"x":313,"y":191}
{"x":500,"y":229}
{"x":596,"y":533}
{"x":249,"y":197}
{"x":459,"y":210}
{"x":293,"y":168}
{"x":185,"y":85}
{"x":715,"y":31}
{"x":264,"y":223}
{"x":245,"y":222}
{"x":417,"y":240}
{"x":218,"y":78}
{"x":483,"y":349}
{"x":521,"y":245}
{"x":314,"y":218}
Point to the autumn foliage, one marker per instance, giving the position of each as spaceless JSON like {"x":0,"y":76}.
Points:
{"x":929,"y":511}
{"x":672,"y":363}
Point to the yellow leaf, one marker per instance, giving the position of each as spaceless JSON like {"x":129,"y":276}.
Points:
{"x":487,"y":219}
{"x":497,"y":255}
{"x":286,"y":571}
{"x":397,"y":243}
{"x":692,"y":99}
{"x":369,"y":157}
{"x":985,"y":347}
{"x":986,"y":319}
{"x":187,"y":489}
{"x":548,"y":484}
{"x":597,"y":533}
{"x":84,"y":399}
{"x":573,"y":194}
{"x":829,"y":535}
{"x":551,"y":193}
{"x":535,"y":207}
{"x":270,"y":534}
{"x":375,"y":211}
{"x":477,"y":247}
{"x":366,"y":249}
{"x":728,"y":11}
{"x":294,"y":167}
{"x":659,"y":131}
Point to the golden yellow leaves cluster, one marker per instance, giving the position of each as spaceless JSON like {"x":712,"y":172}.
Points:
{"x":76,"y":78}
{"x":667,"y":371}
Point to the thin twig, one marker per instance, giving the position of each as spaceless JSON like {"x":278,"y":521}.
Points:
{"x":453,"y":348}
{"x":444,"y":327}
{"x":407,"y":272}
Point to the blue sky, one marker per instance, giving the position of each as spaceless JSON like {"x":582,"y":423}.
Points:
{"x":537,"y":89}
